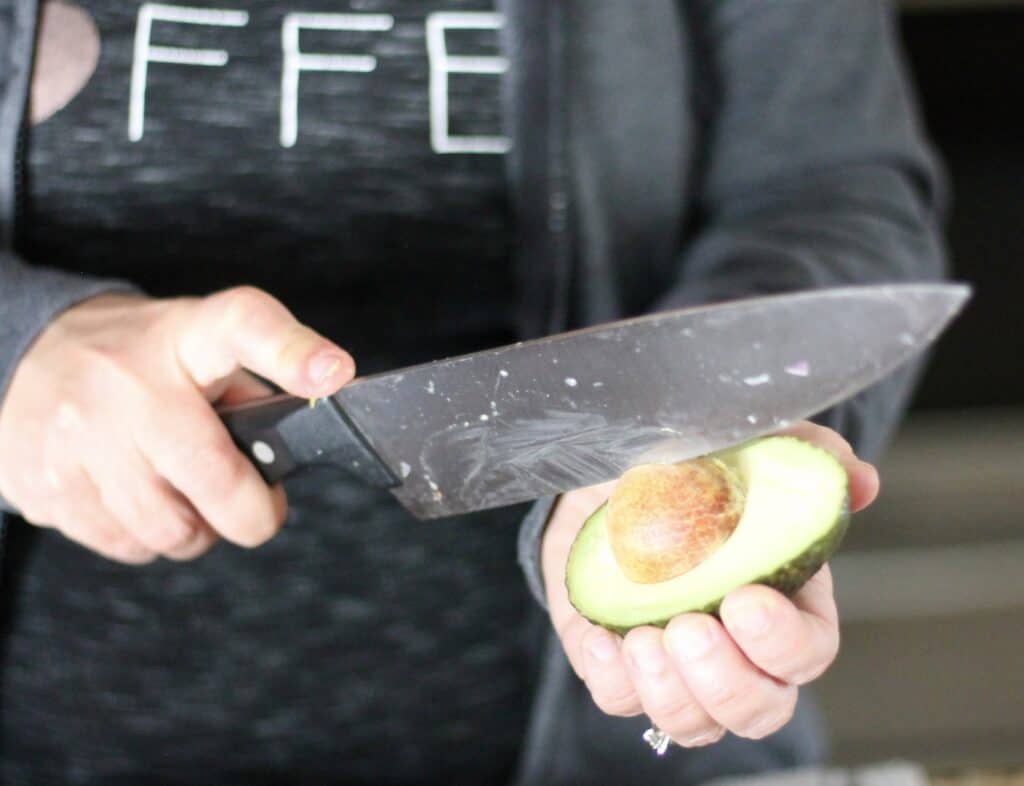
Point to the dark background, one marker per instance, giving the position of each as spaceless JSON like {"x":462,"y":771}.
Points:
{"x":930,"y":579}
{"x":969,"y":67}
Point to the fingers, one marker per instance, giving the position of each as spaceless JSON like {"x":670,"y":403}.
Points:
{"x":822,"y":436}
{"x":605,"y":672}
{"x":190,"y":447}
{"x":80,"y":515}
{"x":665,"y":696}
{"x":701,"y":677}
{"x":149,"y":508}
{"x":864,"y":482}
{"x":246,"y":327}
{"x":864,"y":485}
{"x":107,"y":432}
{"x":568,"y":515}
{"x":793,"y":642}
{"x":734,"y":692}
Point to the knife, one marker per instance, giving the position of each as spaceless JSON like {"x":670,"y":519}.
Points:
{"x":550,"y":415}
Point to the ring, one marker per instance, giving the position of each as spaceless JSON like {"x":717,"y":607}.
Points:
{"x":657,"y":739}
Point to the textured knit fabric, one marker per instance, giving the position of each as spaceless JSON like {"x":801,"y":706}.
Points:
{"x":184,"y":179}
{"x":372,"y":230}
{"x":359,"y":646}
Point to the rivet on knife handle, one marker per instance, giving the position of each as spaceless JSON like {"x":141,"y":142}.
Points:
{"x":282,"y":434}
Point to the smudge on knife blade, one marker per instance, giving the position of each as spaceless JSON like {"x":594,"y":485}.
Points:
{"x":557,"y":452}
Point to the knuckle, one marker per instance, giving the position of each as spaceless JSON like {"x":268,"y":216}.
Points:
{"x":110,"y":542}
{"x":621,"y":703}
{"x":52,"y":480}
{"x":572,"y":629}
{"x":728,"y":698}
{"x":69,"y":416}
{"x":199,"y":545}
{"x":216,"y":464}
{"x":242,"y":304}
{"x":101,"y":371}
{"x":101,"y":539}
{"x":172,"y":536}
{"x":677,"y":707}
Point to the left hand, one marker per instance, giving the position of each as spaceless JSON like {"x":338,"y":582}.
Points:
{"x":701,"y":677}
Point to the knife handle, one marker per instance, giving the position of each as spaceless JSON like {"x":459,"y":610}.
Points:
{"x":283,"y":434}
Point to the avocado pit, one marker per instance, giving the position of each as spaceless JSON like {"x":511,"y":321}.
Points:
{"x":665,"y":519}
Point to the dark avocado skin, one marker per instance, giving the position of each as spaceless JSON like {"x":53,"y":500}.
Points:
{"x":787,"y":579}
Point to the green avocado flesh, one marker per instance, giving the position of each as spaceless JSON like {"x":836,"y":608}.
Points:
{"x":795,"y":516}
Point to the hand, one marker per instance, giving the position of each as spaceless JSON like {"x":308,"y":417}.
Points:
{"x":701,"y":677}
{"x":107,"y":430}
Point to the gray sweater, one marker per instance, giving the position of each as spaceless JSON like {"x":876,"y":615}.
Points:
{"x":665,"y":153}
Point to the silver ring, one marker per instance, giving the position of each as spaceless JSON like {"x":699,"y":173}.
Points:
{"x":657,"y":739}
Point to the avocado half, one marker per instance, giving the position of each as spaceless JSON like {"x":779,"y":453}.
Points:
{"x":794,"y":517}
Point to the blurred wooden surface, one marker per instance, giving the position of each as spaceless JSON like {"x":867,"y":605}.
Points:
{"x":931,"y":589}
{"x":931,"y":578}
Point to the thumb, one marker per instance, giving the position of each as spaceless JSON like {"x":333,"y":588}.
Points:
{"x":246,"y":328}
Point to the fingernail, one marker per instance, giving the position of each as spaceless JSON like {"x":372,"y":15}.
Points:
{"x":324,"y":366}
{"x":751,"y":618}
{"x":650,"y":660}
{"x":602,"y":648}
{"x":702,"y":739}
{"x":693,"y":640}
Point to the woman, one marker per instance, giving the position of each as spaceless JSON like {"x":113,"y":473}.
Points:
{"x":413,"y":179}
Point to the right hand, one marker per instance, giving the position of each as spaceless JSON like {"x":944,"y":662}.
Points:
{"x":107,"y":432}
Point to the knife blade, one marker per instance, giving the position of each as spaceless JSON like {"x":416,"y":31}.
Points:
{"x":550,"y":415}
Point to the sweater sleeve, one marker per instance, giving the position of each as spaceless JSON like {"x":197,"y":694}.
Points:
{"x":30,"y":298}
{"x":815,"y":173}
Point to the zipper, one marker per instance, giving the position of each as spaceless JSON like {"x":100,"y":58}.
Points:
{"x":535,"y":40}
{"x":559,"y":200}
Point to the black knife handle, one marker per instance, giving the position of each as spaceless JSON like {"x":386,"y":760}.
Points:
{"x":283,"y":434}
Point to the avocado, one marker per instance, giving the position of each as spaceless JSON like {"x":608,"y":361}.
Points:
{"x":677,"y":538}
